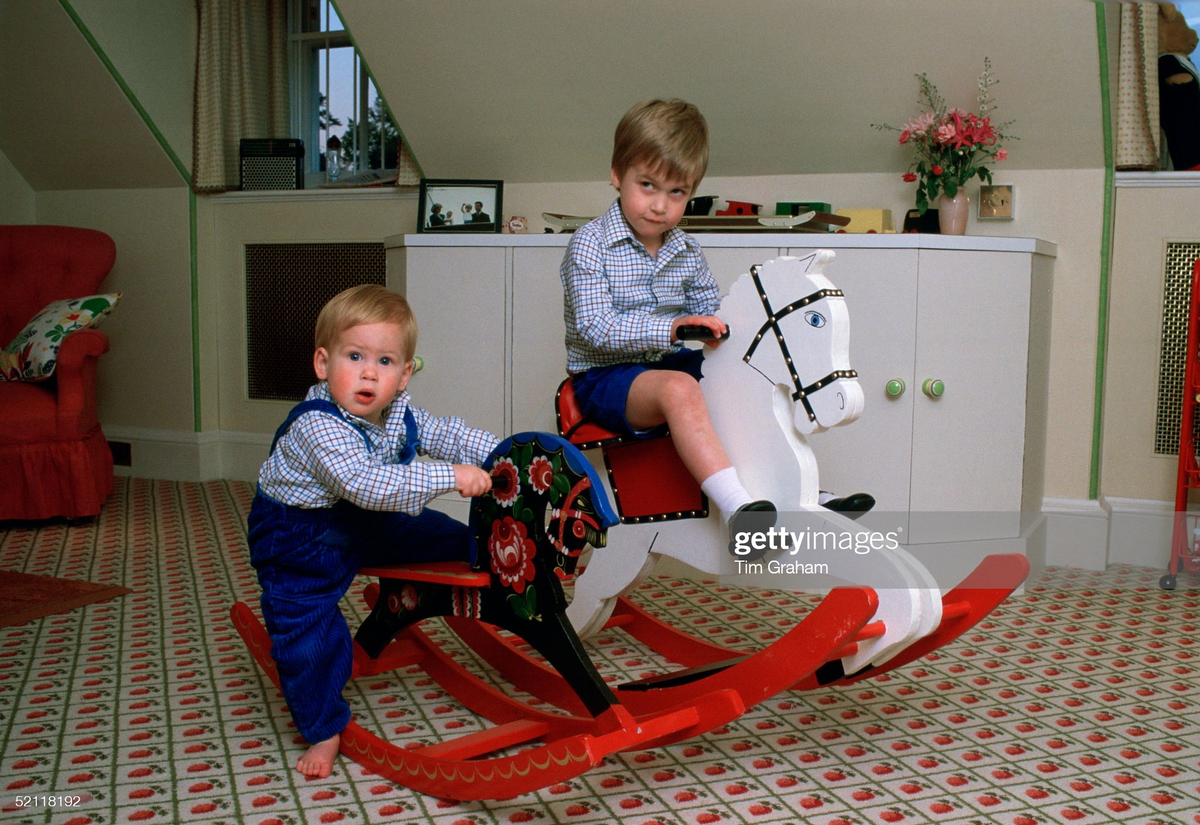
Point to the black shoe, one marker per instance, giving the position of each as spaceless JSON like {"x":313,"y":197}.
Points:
{"x":852,"y":506}
{"x":755,"y":517}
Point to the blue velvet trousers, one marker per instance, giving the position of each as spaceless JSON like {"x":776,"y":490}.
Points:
{"x":306,"y":561}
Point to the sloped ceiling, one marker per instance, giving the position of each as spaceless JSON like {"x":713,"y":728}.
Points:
{"x":530,"y":90}
{"x":64,"y":121}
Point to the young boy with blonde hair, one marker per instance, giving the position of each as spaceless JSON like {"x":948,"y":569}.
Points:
{"x":340,"y":490}
{"x":631,"y":279}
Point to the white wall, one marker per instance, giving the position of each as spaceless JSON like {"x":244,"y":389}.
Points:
{"x":145,"y":380}
{"x":152,"y":44}
{"x":16,"y":196}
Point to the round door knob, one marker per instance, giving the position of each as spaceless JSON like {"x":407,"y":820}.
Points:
{"x":895,"y":388}
{"x":933,"y":387}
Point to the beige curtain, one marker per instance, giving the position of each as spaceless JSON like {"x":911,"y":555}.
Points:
{"x":241,"y":84}
{"x":1137,"y":88}
{"x":407,"y":173}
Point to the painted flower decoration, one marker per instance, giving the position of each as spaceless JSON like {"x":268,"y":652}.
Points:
{"x":567,"y":532}
{"x":408,"y":597}
{"x":541,"y":473}
{"x":951,"y":145}
{"x":512,"y":553}
{"x":506,"y":482}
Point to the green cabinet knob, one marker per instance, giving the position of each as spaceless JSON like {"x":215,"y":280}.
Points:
{"x":933,"y":387}
{"x":895,"y":388}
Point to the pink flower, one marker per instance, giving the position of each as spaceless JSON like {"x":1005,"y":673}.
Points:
{"x":1001,"y":154}
{"x":936,"y":170}
{"x":905,"y":135}
{"x":909,"y":177}
{"x":541,"y":474}
{"x":945,"y":133}
{"x":512,"y":553}
{"x":505,"y":482}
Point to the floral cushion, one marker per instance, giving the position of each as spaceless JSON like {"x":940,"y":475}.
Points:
{"x":33,"y":353}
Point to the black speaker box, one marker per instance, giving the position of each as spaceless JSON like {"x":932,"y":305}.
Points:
{"x":270,"y":163}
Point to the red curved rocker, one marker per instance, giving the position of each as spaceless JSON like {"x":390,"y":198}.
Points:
{"x":515,"y":584}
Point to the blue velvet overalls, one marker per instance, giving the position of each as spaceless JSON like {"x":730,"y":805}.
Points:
{"x":306,"y":560}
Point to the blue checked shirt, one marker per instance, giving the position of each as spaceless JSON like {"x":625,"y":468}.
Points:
{"x":619,"y":302}
{"x":322,"y":459}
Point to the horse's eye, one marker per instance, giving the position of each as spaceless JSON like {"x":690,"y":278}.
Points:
{"x":814,"y":319}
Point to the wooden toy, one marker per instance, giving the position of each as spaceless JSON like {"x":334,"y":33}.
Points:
{"x":739,"y":208}
{"x":796,"y":207}
{"x":784,"y":374}
{"x":862,"y":221}
{"x":545,"y":507}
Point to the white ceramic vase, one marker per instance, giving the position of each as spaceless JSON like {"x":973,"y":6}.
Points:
{"x":952,"y":213}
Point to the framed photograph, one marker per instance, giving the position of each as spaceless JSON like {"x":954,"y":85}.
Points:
{"x":460,"y":205}
{"x":996,"y":203}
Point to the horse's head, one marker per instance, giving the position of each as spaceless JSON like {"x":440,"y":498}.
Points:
{"x":546,"y":505}
{"x":803,"y":343}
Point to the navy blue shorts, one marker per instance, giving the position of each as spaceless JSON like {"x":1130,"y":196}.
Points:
{"x":602,"y":392}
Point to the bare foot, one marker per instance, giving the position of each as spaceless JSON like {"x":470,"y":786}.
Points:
{"x":317,"y":761}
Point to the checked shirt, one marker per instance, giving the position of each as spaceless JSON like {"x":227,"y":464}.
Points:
{"x":322,"y":459}
{"x":619,"y":302}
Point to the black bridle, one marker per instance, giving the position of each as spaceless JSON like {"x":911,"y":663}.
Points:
{"x":803,"y":391}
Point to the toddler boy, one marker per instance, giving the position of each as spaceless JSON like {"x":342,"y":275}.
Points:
{"x":340,"y":490}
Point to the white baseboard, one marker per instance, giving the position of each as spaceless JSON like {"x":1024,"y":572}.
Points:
{"x":1076,"y":533}
{"x":1140,"y":531}
{"x":178,"y":455}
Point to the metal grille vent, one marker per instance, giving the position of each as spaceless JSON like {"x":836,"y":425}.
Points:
{"x":1177,"y":291}
{"x":286,"y":286}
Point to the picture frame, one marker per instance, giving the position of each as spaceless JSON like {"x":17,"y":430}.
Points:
{"x":996,"y":202}
{"x":451,"y":205}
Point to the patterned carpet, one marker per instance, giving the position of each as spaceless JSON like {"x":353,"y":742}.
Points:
{"x":1075,"y":702}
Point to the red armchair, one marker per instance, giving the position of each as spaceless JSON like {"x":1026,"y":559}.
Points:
{"x":54,"y":459}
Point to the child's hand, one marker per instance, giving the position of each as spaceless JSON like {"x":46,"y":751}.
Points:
{"x":471,"y":481}
{"x":714,"y":324}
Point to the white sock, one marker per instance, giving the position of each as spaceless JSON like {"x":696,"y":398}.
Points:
{"x":725,"y":490}
{"x":824,"y":497}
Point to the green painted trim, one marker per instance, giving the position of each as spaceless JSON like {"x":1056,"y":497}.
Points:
{"x":194,"y":285}
{"x":137,"y":105}
{"x":193,"y":244}
{"x":370,"y":74}
{"x":1105,"y":251}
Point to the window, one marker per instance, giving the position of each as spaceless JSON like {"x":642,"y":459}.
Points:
{"x":1191,"y":12}
{"x":333,"y":96}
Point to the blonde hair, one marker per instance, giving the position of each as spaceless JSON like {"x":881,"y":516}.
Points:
{"x":366,"y":304}
{"x":668,"y":134}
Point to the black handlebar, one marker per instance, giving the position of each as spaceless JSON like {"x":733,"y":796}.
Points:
{"x":698,"y":332}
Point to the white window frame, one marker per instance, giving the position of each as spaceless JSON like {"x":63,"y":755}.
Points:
{"x":303,"y":78}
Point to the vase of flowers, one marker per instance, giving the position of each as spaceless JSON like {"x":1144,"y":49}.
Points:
{"x":951,"y":146}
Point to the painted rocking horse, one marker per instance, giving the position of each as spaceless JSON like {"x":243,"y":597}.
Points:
{"x":783,"y":374}
{"x":546,"y":506}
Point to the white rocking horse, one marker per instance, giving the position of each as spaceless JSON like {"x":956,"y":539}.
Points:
{"x":782,"y":375}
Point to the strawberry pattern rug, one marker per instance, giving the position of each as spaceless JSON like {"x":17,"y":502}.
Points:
{"x":1074,"y":702}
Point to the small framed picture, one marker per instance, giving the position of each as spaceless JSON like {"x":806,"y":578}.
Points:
{"x":460,"y":205}
{"x":996,"y":203}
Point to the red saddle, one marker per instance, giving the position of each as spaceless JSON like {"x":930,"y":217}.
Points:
{"x":649,"y":480}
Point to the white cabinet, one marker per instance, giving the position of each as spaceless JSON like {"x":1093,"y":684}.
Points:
{"x":966,"y":463}
{"x":971,"y":312}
